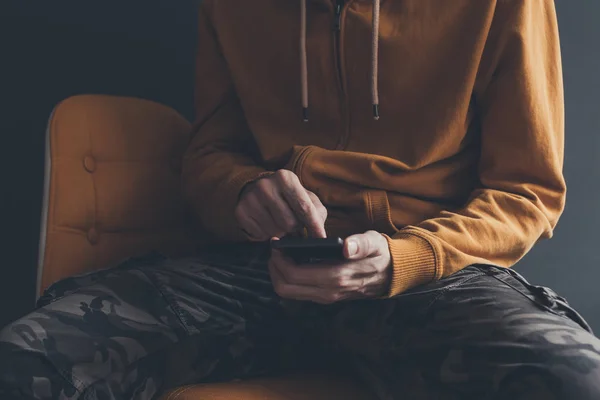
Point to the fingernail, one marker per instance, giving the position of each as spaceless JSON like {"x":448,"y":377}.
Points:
{"x":352,"y":248}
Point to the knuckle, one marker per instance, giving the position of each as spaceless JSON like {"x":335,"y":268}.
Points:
{"x":313,"y":197}
{"x":265,"y":195}
{"x":290,"y":224}
{"x":283,"y":175}
{"x":331,"y":298}
{"x":323,"y":212}
{"x":261,"y":186}
{"x":340,"y":281}
{"x":370,"y":239}
{"x":238,"y":212}
{"x":374,"y":237}
{"x":249,"y":199}
{"x":363,"y":285}
{"x":369,"y":235}
{"x":241,"y":215}
{"x":280,"y":289}
{"x":304,"y":207}
{"x":290,"y":275}
{"x":291,"y":179}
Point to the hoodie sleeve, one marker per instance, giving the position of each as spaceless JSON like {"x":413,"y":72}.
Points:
{"x":521,"y":195}
{"x":221,"y":157}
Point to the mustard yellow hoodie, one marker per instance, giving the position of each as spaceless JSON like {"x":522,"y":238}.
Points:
{"x":464,"y":163}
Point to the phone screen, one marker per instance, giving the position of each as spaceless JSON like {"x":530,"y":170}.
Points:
{"x":311,"y":250}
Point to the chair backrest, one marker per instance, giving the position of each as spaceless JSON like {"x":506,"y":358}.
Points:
{"x":112,"y":185}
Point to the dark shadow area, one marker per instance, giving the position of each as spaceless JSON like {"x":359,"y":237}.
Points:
{"x":53,"y":50}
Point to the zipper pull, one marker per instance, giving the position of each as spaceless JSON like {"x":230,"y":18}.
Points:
{"x":337,"y":24}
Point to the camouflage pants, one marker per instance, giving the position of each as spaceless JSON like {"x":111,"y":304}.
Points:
{"x":136,"y":330}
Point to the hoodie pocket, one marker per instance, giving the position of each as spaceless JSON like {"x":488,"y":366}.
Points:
{"x":378,"y":211}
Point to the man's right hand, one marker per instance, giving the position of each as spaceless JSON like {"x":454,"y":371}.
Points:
{"x":277,"y":205}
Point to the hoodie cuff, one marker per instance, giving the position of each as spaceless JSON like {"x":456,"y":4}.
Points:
{"x":414,"y":262}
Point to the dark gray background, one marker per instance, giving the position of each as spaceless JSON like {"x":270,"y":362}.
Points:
{"x":52,"y":50}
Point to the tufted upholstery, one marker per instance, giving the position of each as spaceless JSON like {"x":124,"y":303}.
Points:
{"x":112,"y":191}
{"x":112,"y":186}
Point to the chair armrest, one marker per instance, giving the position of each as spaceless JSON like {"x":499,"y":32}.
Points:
{"x":112,"y":185}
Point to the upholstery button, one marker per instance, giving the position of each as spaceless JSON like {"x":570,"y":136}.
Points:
{"x":92,"y":236}
{"x":89,"y":164}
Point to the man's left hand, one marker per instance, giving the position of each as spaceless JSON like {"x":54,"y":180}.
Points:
{"x":365,"y":273}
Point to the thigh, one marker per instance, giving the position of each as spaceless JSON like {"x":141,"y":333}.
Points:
{"x":149,"y":324}
{"x":483,"y":334}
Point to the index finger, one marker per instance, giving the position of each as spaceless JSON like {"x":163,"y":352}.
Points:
{"x":299,"y":201}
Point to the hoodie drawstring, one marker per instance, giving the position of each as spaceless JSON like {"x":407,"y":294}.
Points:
{"x":303,"y":61}
{"x":374,"y":59}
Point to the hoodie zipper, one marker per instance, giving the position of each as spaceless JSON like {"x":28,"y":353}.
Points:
{"x":339,"y":6}
{"x":337,"y":33}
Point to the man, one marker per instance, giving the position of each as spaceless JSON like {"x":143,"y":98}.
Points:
{"x":428,"y":134}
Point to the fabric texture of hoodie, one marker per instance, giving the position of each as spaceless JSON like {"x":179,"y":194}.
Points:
{"x":464,"y":163}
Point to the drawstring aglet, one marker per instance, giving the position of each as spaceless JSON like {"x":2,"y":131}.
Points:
{"x":305,"y":114}
{"x":376,"y":112}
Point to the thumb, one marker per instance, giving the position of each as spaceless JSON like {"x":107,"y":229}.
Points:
{"x":364,"y":245}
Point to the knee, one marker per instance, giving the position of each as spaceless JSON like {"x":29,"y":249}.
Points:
{"x":15,"y":379}
{"x":19,"y":340}
{"x":576,"y":366}
{"x":580,"y":380}
{"x":12,"y":347}
{"x":583,"y":384}
{"x":25,"y":371}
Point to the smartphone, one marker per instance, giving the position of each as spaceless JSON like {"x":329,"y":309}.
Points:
{"x":311,"y":250}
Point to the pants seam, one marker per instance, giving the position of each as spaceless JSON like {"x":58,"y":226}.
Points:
{"x":70,"y":379}
{"x":169,"y":300}
{"x":445,"y":289}
{"x":537,"y":303}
